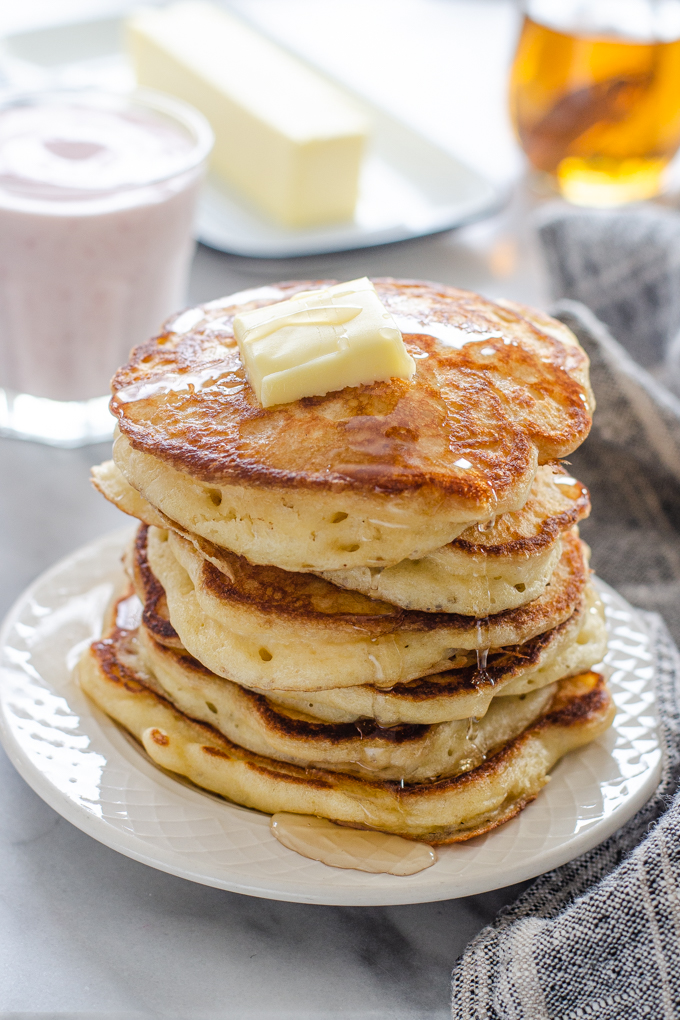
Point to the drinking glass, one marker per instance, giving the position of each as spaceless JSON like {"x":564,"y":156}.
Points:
{"x":97,"y":201}
{"x":595,"y":95}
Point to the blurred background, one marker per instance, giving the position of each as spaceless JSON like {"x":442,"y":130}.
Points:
{"x":439,"y":66}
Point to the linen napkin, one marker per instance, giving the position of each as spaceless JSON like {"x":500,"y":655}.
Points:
{"x":600,"y":936}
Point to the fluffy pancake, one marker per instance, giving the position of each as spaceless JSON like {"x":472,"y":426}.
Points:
{"x":467,"y":690}
{"x":574,"y":646}
{"x":150,"y":593}
{"x":114,"y":486}
{"x":366,"y":476}
{"x":490,"y":568}
{"x":270,"y":629}
{"x":409,"y":752}
{"x":443,"y":811}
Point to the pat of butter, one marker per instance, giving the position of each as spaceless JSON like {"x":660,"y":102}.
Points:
{"x":320,"y":341}
{"x":287,"y":139}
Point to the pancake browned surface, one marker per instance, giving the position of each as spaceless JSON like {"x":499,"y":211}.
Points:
{"x":410,"y":752}
{"x":441,"y":811}
{"x":366,"y":476}
{"x":268,"y":628}
{"x":461,"y":692}
{"x":467,"y":690}
{"x":492,"y":567}
{"x":489,"y":568}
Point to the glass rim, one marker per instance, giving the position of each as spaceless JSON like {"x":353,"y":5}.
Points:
{"x":181,"y":112}
{"x":641,"y":22}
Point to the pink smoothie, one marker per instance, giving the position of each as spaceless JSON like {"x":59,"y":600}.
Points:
{"x":97,"y":197}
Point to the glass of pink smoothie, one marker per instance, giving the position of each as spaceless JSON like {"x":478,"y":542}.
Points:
{"x":97,"y":200}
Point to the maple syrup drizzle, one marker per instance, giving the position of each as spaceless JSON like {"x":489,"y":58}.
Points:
{"x":359,"y":849}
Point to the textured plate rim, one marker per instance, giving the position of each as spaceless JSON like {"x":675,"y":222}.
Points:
{"x":405,"y":892}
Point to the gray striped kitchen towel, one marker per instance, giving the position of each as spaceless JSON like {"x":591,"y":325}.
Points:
{"x":600,"y":936}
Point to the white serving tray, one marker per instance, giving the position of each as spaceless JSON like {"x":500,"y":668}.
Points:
{"x":98,"y":778}
{"x":409,"y":186}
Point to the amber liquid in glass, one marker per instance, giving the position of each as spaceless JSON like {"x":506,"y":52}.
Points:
{"x":600,"y":114}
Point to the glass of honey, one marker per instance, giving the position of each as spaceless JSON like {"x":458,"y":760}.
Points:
{"x":595,"y":95}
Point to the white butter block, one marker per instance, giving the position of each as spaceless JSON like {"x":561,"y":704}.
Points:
{"x":321,"y":341}
{"x":287,"y":139}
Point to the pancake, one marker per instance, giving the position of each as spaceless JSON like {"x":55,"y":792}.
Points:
{"x":487,"y":570}
{"x":574,"y":646}
{"x":113,"y":485}
{"x":444,"y":811}
{"x":410,"y":752}
{"x":367,"y":476}
{"x":271,"y":629}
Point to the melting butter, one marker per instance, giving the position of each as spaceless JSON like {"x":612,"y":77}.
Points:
{"x":320,"y":341}
{"x":359,"y":849}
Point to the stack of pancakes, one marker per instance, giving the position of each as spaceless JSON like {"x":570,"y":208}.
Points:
{"x":372,"y":606}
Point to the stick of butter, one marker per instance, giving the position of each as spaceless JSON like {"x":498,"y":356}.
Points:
{"x":287,"y":139}
{"x":320,"y":341}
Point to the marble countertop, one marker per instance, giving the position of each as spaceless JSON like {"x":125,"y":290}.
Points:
{"x":88,"y":933}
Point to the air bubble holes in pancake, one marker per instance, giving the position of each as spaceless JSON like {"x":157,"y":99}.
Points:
{"x":213,"y":499}
{"x":314,"y":652}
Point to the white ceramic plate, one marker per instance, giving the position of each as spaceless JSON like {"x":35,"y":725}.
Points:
{"x":98,"y":778}
{"x":409,"y":186}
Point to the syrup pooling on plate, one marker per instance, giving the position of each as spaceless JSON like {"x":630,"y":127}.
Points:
{"x":342,"y":847}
